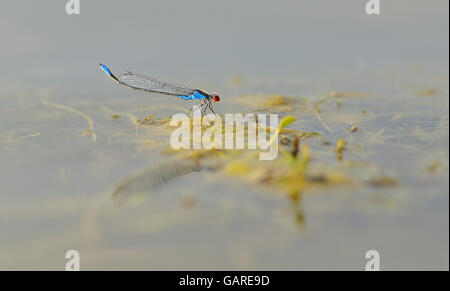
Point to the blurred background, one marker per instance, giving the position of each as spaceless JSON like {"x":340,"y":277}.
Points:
{"x":57,"y":176}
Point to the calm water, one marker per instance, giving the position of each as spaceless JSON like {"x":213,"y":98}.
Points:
{"x":62,"y":155}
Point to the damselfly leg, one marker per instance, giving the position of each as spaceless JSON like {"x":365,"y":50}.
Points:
{"x":207,"y":104}
{"x":210,"y":107}
{"x":196,"y":107}
{"x":204,"y":108}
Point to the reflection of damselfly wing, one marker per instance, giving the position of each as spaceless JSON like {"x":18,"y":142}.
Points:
{"x":152,"y":178}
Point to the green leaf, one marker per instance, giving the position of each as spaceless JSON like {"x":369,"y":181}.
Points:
{"x":286,"y":121}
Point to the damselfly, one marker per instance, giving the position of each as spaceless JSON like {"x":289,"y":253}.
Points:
{"x":152,"y":85}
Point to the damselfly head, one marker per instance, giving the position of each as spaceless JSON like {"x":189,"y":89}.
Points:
{"x":216,"y":98}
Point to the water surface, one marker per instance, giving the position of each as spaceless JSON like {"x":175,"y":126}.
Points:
{"x":68,"y":140}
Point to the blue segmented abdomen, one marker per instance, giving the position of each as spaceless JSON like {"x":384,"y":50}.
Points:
{"x":105,"y":69}
{"x":195,"y":96}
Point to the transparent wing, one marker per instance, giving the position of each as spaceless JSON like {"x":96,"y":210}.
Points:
{"x":145,"y":83}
